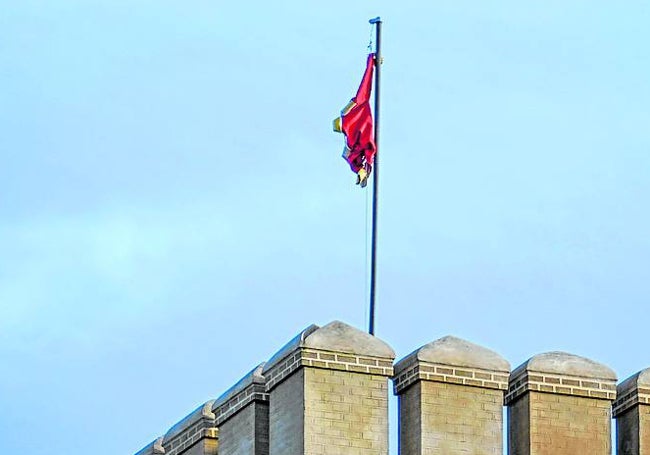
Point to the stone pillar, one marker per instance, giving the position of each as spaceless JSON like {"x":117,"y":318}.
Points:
{"x":451,"y":399}
{"x":560,"y":404}
{"x":329,"y":393}
{"x":632,"y":414}
{"x":242,"y":416}
{"x":196,"y":434}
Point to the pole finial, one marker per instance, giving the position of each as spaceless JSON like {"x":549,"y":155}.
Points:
{"x":375,"y":20}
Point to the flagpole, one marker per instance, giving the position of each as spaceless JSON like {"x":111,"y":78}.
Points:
{"x":375,"y":183}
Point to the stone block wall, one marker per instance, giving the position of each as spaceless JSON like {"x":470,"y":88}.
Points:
{"x":326,"y":392}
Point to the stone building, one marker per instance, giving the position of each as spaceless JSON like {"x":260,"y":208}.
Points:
{"x":326,"y":393}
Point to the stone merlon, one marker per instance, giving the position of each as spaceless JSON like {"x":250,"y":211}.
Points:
{"x":562,"y":373}
{"x":289,"y":348}
{"x":453,"y":360}
{"x":633,"y":391}
{"x":340,"y":337}
{"x":640,"y":380}
{"x":335,"y":336}
{"x":253,"y":377}
{"x":203,"y":412}
{"x":336,"y":346}
{"x":455,"y":352}
{"x":247,"y":390}
{"x":563,"y":363}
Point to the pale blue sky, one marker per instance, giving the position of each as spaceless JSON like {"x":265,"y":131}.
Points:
{"x":174,"y":208}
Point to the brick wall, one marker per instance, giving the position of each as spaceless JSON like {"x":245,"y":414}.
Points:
{"x":261,"y":429}
{"x":410,"y":418}
{"x":286,"y":435}
{"x":568,"y":425}
{"x":644,"y":433}
{"x":518,"y":427}
{"x":240,"y":434}
{"x":467,"y":419}
{"x":345,"y":412}
{"x":629,"y":433}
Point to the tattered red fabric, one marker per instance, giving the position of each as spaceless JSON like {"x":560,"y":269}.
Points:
{"x":356,"y":124}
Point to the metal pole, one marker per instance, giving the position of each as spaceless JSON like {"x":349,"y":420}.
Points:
{"x":375,"y":183}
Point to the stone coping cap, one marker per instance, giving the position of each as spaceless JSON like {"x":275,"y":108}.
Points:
{"x":634,"y":391}
{"x":640,"y":380}
{"x":336,"y":337}
{"x":290,"y":347}
{"x":455,"y":352}
{"x":563,"y":363}
{"x":153,"y":448}
{"x":253,"y":377}
{"x":202,"y":412}
{"x":340,"y":337}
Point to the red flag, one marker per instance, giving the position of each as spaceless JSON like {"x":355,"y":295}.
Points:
{"x":355,"y":123}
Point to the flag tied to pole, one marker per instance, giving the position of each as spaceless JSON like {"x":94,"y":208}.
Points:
{"x":356,"y":125}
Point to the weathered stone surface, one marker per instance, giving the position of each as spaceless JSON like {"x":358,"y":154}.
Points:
{"x":563,"y":363}
{"x":340,"y":337}
{"x":640,"y":379}
{"x":455,"y":361}
{"x":455,"y":352}
{"x":562,"y":373}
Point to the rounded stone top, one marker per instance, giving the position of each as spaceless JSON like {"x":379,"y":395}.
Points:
{"x":335,"y":336}
{"x":456,"y":352}
{"x":202,"y":412}
{"x":295,"y":343}
{"x":643,"y":378}
{"x":253,"y":377}
{"x":563,"y":363}
{"x":340,"y":337}
{"x":637,"y":380}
